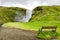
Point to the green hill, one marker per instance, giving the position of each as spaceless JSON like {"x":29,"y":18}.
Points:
{"x":7,"y":14}
{"x":46,"y":13}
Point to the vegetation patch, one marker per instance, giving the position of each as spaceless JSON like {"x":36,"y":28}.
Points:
{"x":42,"y":16}
{"x":7,"y":14}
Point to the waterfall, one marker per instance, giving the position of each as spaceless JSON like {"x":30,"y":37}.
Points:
{"x":29,"y":11}
{"x":28,"y":15}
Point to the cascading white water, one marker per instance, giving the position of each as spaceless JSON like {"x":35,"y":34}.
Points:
{"x":28,"y":15}
{"x":29,"y":5}
{"x":29,"y":11}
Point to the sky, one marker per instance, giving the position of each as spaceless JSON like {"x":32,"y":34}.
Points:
{"x":28,"y":4}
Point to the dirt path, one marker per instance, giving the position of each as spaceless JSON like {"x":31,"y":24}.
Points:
{"x":17,"y":34}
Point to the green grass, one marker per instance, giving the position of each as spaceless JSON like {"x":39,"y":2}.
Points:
{"x":7,"y":14}
{"x":42,"y":16}
{"x":47,"y":35}
{"x":32,"y":25}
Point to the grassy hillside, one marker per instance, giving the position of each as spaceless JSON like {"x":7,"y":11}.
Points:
{"x":7,"y":14}
{"x":46,"y":13}
{"x":42,"y":16}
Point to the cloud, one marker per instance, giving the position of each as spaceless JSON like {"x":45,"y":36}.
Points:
{"x":29,"y":4}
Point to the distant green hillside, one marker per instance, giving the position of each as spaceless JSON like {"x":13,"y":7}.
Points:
{"x":46,"y":13}
{"x":7,"y":14}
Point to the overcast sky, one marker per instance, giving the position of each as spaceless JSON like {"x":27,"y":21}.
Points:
{"x":28,"y":3}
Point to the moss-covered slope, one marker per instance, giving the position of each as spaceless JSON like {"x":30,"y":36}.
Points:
{"x":7,"y":14}
{"x":46,"y":13}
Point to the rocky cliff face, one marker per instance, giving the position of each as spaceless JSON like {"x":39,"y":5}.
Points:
{"x":21,"y":15}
